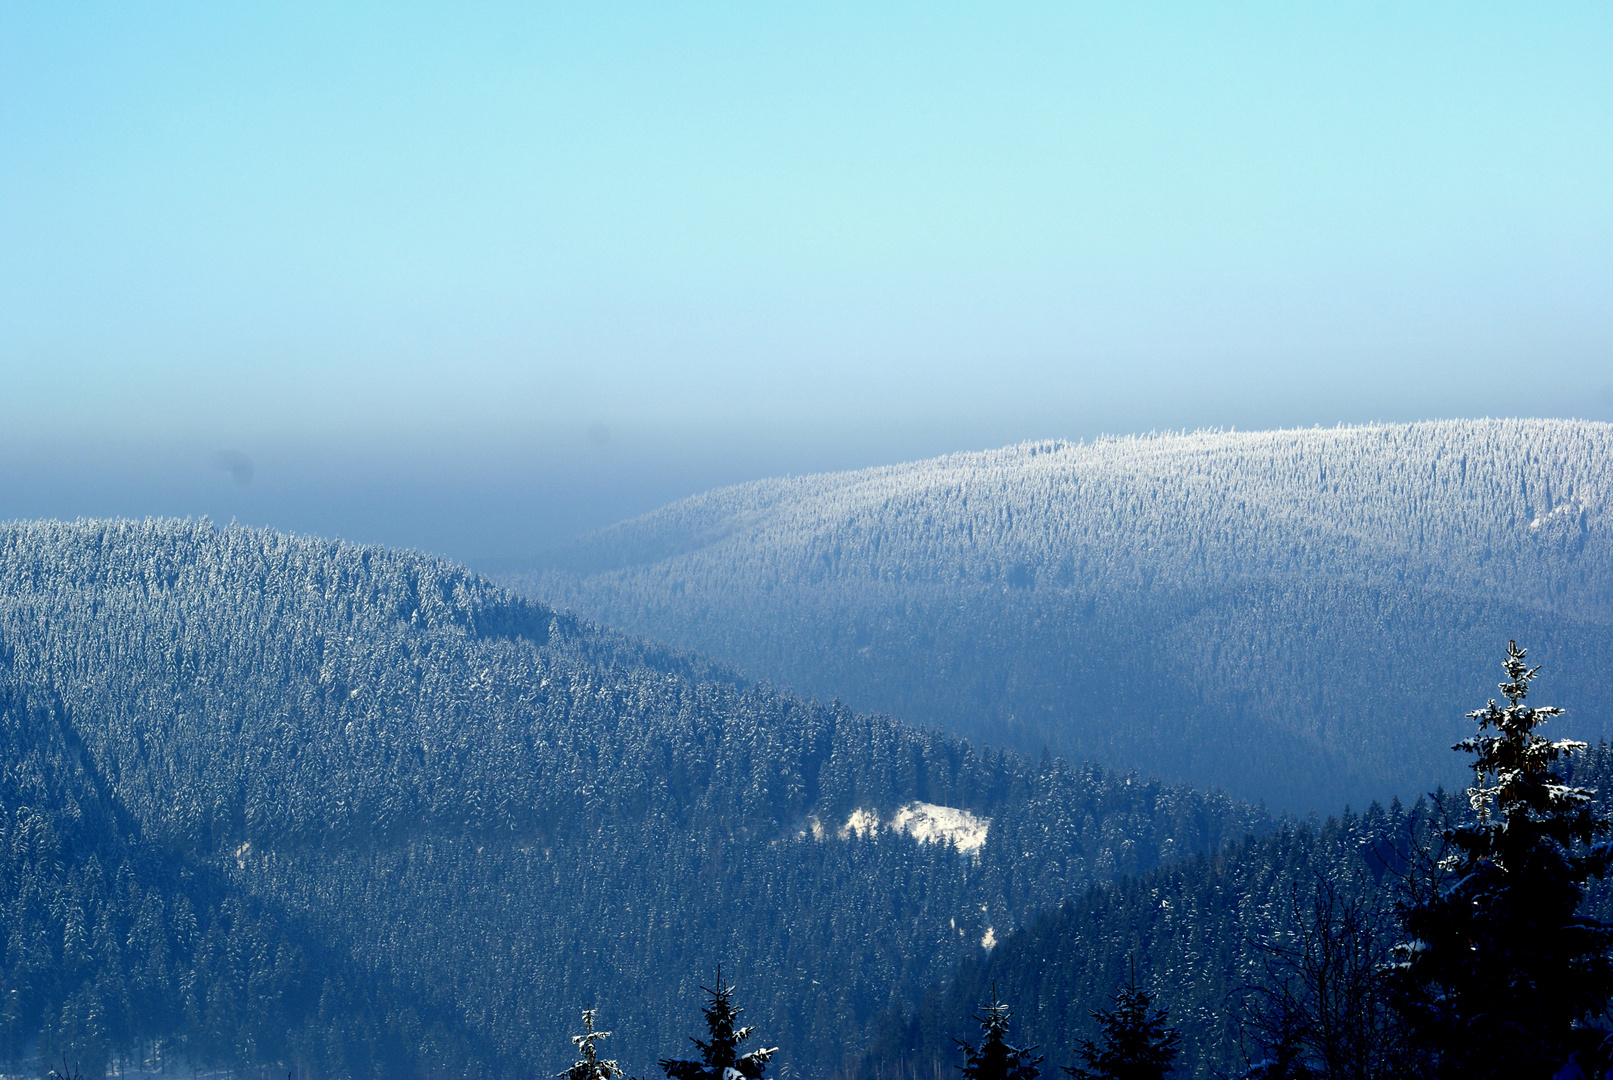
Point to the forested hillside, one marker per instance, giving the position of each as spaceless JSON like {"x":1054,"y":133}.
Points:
{"x":1198,"y":934}
{"x":1192,"y":931}
{"x":1198,"y":605}
{"x":293,"y":804}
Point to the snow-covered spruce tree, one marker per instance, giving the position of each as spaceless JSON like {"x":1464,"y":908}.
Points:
{"x":719,"y":1055}
{"x":1498,"y":974}
{"x":589,"y":1066}
{"x":995,"y":1058}
{"x":1137,"y":1043}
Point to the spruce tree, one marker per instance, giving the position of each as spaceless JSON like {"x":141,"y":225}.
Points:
{"x":719,"y":1055}
{"x":995,"y":1058}
{"x":1137,"y":1043}
{"x":589,"y":1066}
{"x":1498,"y":974}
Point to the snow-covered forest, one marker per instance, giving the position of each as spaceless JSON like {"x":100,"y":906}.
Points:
{"x":1194,"y":605}
{"x":268,"y":800}
{"x":277,"y":804}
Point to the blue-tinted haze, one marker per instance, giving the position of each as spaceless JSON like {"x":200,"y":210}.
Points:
{"x":481,"y":281}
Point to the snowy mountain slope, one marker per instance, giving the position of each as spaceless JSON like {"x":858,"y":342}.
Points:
{"x":1268,"y":610}
{"x":270,"y":802}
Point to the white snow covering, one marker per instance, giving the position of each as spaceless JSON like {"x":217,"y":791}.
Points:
{"x":861,"y":823}
{"x":989,"y":942}
{"x":928,"y":823}
{"x":1567,"y":510}
{"x":1439,"y":502}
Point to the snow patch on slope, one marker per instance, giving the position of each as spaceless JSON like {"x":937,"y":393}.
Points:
{"x":861,"y":824}
{"x":1564,"y":511}
{"x":928,"y":823}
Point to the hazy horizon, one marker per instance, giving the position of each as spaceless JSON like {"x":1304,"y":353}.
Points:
{"x":481,"y":282}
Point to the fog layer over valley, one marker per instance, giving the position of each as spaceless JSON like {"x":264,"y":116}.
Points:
{"x":1301,"y":616}
{"x":269,"y":801}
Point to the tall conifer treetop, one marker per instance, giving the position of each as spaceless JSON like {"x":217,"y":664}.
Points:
{"x":1499,"y":972}
{"x":1137,"y":1043}
{"x":589,"y":1066}
{"x":719,"y":1055}
{"x":1513,"y":770}
{"x":995,"y":1058}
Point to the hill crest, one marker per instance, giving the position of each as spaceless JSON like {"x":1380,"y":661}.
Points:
{"x":1294,"y":560}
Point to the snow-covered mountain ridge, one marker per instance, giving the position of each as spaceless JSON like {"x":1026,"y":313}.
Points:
{"x":1240,"y":585}
{"x":1464,"y":504}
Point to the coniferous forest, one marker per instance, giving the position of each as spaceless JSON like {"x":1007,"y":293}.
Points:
{"x":1230,"y":585}
{"x":275,"y":804}
{"x":278,"y":801}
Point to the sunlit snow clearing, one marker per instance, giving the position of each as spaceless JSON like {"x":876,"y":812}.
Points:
{"x":861,"y":823}
{"x":925,"y":822}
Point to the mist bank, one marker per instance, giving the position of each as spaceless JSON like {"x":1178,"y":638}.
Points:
{"x":494,"y":500}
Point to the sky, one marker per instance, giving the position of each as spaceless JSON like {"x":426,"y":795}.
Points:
{"x":481,"y":278}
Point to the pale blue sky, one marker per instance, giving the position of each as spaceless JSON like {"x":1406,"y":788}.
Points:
{"x":479,"y":280}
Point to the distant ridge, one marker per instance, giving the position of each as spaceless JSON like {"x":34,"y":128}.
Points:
{"x":1266,"y":610}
